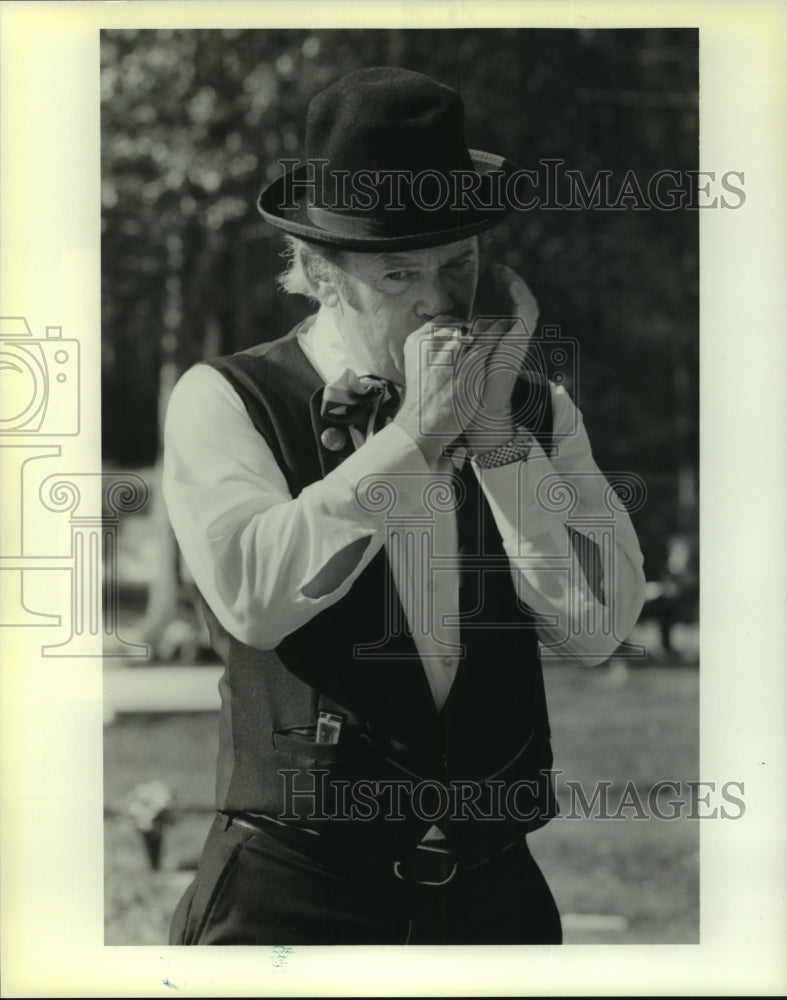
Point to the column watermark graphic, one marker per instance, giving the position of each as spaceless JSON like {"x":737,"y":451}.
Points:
{"x":94,"y":503}
{"x":580,"y":569}
{"x":411,"y":540}
{"x":588,"y":564}
{"x":43,"y":405}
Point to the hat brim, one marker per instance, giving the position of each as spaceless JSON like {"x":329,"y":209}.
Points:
{"x":296,"y":220}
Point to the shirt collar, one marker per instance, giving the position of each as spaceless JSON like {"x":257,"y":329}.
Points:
{"x":331,"y":356}
{"x":326,"y":349}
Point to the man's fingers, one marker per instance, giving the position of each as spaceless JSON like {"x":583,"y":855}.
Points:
{"x":482,"y":344}
{"x":489,"y":367}
{"x":446,"y":325}
{"x":510,"y":340}
{"x":484,"y":324}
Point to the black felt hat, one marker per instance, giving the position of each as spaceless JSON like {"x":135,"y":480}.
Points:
{"x":387,"y":168}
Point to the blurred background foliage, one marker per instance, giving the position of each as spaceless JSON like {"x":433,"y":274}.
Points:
{"x":194,"y":123}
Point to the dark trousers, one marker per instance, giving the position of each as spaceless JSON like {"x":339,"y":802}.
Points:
{"x":252,"y":888}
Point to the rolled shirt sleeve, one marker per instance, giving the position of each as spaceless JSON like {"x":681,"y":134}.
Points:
{"x":574,"y":554}
{"x":254,"y":551}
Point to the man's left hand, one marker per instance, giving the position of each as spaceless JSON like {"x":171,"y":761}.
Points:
{"x":488,"y":369}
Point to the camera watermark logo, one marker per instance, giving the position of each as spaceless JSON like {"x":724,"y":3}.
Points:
{"x":40,"y":402}
{"x":39,"y":380}
{"x":529,"y":361}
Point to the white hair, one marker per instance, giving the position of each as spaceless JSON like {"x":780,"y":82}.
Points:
{"x":307,"y":264}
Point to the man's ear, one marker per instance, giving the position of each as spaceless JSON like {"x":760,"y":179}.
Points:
{"x":321,"y":287}
{"x":327,"y":293}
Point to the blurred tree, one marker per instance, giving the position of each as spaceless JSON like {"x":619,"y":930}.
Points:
{"x":194,"y":123}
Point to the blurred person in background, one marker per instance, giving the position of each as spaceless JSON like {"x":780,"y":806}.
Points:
{"x":357,"y":504}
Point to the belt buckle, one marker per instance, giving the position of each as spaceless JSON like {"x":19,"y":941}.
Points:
{"x":397,"y":868}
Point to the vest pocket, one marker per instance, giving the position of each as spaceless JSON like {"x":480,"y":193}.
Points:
{"x":300,"y":741}
{"x":312,"y":777}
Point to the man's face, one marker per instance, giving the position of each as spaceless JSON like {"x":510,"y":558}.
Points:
{"x":392,"y":294}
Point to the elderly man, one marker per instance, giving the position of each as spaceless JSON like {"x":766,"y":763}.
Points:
{"x":357,"y":502}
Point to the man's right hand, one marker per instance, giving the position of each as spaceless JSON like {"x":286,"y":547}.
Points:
{"x":457,"y":383}
{"x":428,"y":413}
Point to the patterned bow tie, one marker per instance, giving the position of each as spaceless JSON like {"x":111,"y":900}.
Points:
{"x":364,"y":402}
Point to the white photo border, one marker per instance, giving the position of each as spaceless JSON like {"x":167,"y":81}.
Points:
{"x":51,"y":710}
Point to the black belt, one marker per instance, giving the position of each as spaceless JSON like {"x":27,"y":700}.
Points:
{"x":427,"y":864}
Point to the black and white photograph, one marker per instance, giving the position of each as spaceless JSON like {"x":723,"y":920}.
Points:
{"x":402,"y":329}
{"x":405,"y":586}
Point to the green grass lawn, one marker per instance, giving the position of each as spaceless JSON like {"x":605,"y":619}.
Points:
{"x":614,"y":725}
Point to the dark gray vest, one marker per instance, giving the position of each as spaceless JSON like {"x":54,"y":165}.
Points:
{"x":476,"y":766}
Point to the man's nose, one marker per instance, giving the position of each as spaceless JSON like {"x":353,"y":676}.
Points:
{"x":435,"y":298}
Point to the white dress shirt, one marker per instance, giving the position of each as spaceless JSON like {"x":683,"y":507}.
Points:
{"x":255,"y":552}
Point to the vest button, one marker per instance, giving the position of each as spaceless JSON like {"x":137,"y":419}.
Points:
{"x":334,"y":438}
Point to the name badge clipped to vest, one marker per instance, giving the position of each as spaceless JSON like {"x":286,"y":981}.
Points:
{"x":329,"y":727}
